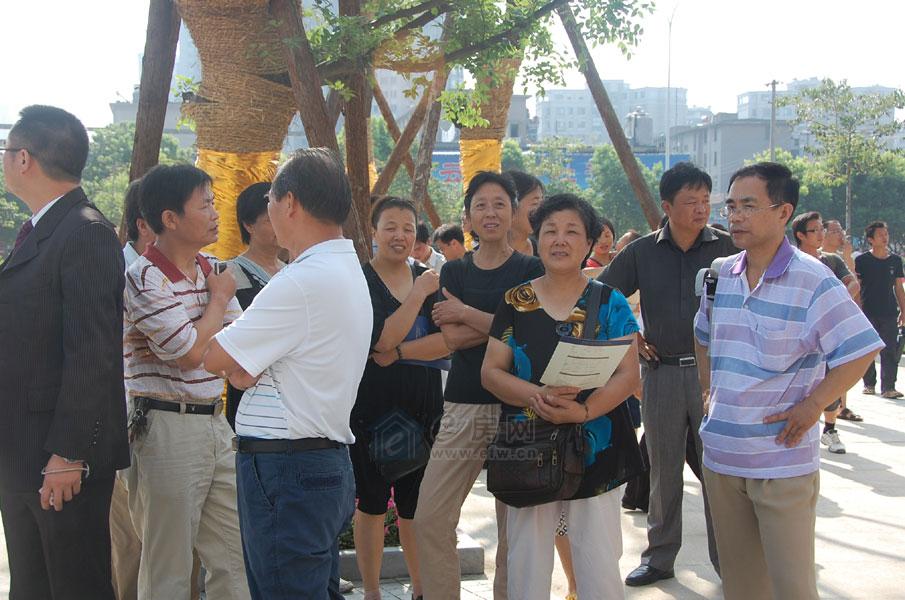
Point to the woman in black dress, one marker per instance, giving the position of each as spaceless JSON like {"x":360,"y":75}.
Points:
{"x":400,"y":397}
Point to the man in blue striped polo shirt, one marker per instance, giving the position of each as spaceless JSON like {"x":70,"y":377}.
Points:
{"x":779,"y":318}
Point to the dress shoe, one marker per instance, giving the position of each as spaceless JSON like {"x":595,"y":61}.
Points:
{"x":646,"y":575}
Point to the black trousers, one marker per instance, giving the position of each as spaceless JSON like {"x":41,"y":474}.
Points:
{"x":888,"y":329}
{"x":59,"y":555}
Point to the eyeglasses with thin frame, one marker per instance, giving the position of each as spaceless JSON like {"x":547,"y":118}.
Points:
{"x":744,"y":210}
{"x":812,"y":230}
{"x":9,"y":149}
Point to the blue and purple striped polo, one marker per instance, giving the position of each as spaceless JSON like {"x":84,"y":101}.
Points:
{"x":769,"y":348}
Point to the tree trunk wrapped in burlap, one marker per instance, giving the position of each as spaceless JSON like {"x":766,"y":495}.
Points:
{"x":241,"y":117}
{"x":481,"y":148}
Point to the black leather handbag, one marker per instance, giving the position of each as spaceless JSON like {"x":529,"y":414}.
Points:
{"x":398,"y":445}
{"x":532,"y":461}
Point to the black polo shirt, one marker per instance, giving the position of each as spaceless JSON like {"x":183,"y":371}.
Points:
{"x":664,"y":274}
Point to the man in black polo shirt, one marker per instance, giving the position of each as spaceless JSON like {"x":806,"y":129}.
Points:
{"x":662,"y":266}
{"x":883,"y":301}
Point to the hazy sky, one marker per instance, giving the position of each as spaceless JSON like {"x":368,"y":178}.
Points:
{"x":84,"y":55}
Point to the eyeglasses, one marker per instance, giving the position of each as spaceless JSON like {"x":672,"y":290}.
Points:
{"x":813,"y":230}
{"x":744,"y":210}
{"x":8,"y":149}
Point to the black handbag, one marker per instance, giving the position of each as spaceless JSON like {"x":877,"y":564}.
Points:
{"x":398,"y":446}
{"x":532,"y":461}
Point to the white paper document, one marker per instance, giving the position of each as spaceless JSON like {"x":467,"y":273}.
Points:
{"x":584,"y":364}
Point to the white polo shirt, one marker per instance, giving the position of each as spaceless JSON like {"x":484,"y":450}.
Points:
{"x":308,"y":334}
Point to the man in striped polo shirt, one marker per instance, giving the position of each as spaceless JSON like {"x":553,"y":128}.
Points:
{"x":182,"y":483}
{"x":779,"y":319}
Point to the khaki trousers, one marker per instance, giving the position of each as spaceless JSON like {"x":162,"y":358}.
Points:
{"x":765,"y":535}
{"x":182,"y":495}
{"x":124,"y":542}
{"x":456,"y":460}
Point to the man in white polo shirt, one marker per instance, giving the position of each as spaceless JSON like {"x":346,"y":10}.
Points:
{"x":299,"y":351}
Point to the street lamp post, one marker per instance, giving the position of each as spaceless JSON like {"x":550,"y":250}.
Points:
{"x":772,"y":85}
{"x":669,"y":81}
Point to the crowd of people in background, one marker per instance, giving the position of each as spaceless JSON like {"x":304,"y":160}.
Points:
{"x":256,"y":408}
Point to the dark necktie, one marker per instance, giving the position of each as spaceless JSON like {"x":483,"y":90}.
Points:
{"x":23,"y":233}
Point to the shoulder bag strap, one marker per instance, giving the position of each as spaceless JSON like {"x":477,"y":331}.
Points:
{"x":592,"y":310}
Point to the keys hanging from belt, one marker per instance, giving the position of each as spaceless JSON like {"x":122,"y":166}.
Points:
{"x":138,"y":424}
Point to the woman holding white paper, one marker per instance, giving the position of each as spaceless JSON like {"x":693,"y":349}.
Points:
{"x":528,"y":325}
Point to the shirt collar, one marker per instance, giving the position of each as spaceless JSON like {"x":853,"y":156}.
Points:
{"x":37,"y":216}
{"x":781,"y":261}
{"x":336,"y":246}
{"x":159,"y":260}
{"x":706,"y":235}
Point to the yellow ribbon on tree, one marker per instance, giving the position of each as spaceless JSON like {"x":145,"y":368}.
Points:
{"x":232,"y":172}
{"x":479,"y":155}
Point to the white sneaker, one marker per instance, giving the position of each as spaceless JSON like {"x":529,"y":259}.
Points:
{"x":831,"y":439}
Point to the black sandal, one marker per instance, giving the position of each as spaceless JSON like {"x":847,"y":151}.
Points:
{"x":847,"y":415}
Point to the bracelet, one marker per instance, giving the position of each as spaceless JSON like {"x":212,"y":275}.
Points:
{"x":46,"y":471}
{"x":399,"y":352}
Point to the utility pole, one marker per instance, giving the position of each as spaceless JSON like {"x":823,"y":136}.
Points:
{"x":772,"y":85}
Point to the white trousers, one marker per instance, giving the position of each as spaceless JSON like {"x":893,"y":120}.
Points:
{"x":595,"y":536}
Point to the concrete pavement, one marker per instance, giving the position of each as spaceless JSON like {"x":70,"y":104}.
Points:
{"x":860,"y":530}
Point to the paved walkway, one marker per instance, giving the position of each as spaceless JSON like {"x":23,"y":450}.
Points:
{"x":860,"y":523}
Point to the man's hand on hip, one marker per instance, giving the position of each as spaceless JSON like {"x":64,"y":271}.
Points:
{"x":799,"y":419}
{"x":646,"y":350}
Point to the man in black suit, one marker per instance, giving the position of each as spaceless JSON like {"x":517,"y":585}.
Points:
{"x":63,"y":430}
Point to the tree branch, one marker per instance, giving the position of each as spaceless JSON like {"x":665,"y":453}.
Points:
{"x":504,"y":36}
{"x":303,"y":76}
{"x":610,"y":119}
{"x":335,"y":69}
{"x":427,"y":6}
{"x":393,"y":128}
{"x":156,"y":72}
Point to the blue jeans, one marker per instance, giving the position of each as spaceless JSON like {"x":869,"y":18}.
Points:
{"x":292,"y":508}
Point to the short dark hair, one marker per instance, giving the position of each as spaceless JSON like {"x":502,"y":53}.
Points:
{"x":168,"y":187}
{"x":317,"y":179}
{"x":482,"y":178}
{"x":54,"y":138}
{"x":681,"y":176}
{"x":251,"y":204}
{"x":782,"y":186}
{"x":872,"y":228}
{"x":826,"y":223}
{"x":525,"y":183}
{"x":633,"y":234}
{"x":800,"y":224}
{"x":423,"y":233}
{"x":607,"y":224}
{"x":560,"y":202}
{"x":449,"y":232}
{"x":386,"y":202}
{"x":132,"y":210}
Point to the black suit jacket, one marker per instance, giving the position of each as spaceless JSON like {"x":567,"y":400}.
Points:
{"x":61,"y":333}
